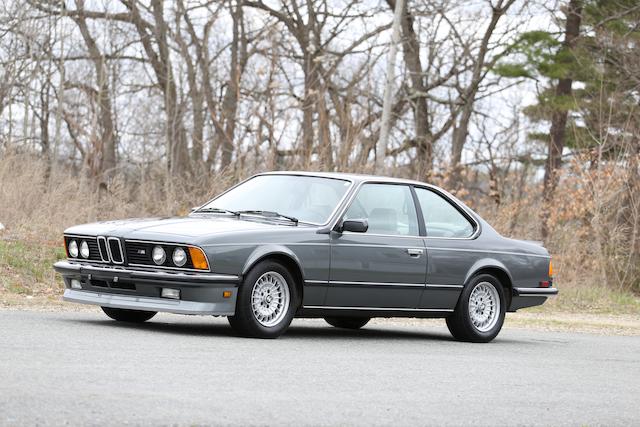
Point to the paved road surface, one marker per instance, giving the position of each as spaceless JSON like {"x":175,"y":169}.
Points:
{"x":80,"y":368}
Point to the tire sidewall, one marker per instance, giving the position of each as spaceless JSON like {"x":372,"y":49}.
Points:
{"x":464,"y":307}
{"x":243,"y":307}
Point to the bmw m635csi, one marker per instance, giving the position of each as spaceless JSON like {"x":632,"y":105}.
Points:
{"x":341,"y":247}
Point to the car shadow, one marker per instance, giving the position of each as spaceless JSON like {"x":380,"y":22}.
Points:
{"x":296,"y":331}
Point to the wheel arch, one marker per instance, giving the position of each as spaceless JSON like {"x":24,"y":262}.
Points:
{"x":496,"y":269}
{"x":284,"y":256}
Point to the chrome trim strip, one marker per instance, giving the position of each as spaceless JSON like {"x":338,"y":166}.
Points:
{"x":404,"y":285}
{"x":327,"y":307}
{"x":111,"y":254}
{"x":376,"y":245}
{"x":536,"y":292}
{"x":168,"y":268}
{"x":336,"y":282}
{"x":152,"y":242}
{"x":69,"y":267}
{"x":106,"y":245}
{"x":402,"y":236}
{"x":486,"y":251}
{"x":226,"y":308}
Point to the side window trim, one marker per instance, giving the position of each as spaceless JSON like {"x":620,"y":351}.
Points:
{"x":416,"y":206}
{"x":422,"y":226}
{"x":474,"y":223}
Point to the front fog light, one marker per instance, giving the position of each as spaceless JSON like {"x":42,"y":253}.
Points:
{"x":179,"y":257}
{"x":73,"y":249}
{"x":170,"y":293}
{"x":159,"y":255}
{"x":84,"y":249}
{"x":75,"y":284}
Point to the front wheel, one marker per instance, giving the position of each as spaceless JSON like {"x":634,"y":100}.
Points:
{"x":267,"y":302}
{"x":480,"y":312}
{"x":347,"y":322}
{"x":131,"y":316}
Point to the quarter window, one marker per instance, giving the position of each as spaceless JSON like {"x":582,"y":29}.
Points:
{"x":389,"y":209}
{"x":441,"y":218}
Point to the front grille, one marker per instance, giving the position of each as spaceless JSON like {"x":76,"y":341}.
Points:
{"x":104,"y":252}
{"x":115,"y":250}
{"x":140,"y":253}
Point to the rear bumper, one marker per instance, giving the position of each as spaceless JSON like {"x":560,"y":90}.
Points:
{"x":530,"y":297}
{"x":535,"y":292}
{"x":118,"y":287}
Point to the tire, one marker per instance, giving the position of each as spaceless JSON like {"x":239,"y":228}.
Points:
{"x":267,"y":301}
{"x":347,"y":322}
{"x":131,"y":316}
{"x":483,"y":326}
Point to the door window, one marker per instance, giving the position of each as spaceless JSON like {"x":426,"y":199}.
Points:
{"x":388,"y":208}
{"x":441,"y":218}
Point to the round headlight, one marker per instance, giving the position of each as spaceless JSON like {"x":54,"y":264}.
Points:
{"x":159,"y":255}
{"x":73,"y":249}
{"x":179,"y":257}
{"x":84,"y":249}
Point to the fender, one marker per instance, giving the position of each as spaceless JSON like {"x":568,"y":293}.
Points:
{"x":487,"y":263}
{"x":270,"y":249}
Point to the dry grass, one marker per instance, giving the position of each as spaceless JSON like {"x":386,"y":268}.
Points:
{"x":36,"y":210}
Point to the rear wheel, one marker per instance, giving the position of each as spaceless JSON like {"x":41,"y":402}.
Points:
{"x":347,"y":322}
{"x":480,"y":312}
{"x":267,"y":301}
{"x":132,"y":316}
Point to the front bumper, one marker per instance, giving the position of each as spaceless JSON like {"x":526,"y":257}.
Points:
{"x":138,"y":289}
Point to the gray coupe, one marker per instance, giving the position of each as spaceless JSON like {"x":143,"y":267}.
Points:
{"x":342,"y":247}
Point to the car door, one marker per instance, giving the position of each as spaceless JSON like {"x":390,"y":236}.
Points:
{"x":384,"y":267}
{"x":450,"y":248}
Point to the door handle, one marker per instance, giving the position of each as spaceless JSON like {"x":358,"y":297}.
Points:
{"x":414,"y":253}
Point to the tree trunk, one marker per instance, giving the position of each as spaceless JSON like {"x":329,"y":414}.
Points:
{"x":418,"y":91}
{"x":239,"y":57}
{"x":559,"y":117}
{"x":107,"y":144}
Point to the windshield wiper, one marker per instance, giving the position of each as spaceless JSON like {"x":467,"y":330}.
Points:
{"x":218,"y":210}
{"x":269,"y":214}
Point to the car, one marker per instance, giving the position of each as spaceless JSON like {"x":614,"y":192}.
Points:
{"x":343,"y":247}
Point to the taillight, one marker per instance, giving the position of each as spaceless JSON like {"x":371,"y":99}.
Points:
{"x":544,"y":284}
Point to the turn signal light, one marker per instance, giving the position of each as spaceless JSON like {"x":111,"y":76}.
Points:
{"x":198,"y":258}
{"x":550,"y":269}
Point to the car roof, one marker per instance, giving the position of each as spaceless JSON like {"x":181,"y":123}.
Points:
{"x":356,"y":177}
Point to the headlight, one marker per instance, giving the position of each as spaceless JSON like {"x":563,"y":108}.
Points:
{"x":179,"y":257}
{"x":73,"y":249}
{"x":84,"y":249}
{"x":159,"y":255}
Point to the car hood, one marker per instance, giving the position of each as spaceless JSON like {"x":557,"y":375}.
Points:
{"x":169,"y":229}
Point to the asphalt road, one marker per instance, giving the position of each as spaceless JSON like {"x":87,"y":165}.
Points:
{"x":81,"y":368}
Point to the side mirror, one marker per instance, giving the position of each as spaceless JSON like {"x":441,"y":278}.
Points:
{"x":355,"y":225}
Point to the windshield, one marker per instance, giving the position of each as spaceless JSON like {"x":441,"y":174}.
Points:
{"x":310,"y":199}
